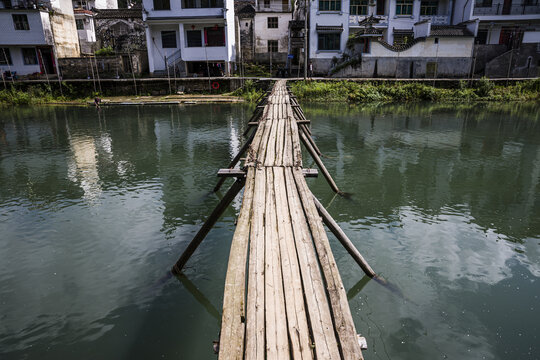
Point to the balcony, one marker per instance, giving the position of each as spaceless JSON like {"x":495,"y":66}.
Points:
{"x":436,"y":19}
{"x":273,"y":6}
{"x":18,"y":4}
{"x":489,"y":8}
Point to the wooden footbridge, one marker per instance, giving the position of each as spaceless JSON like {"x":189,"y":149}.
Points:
{"x":284,"y":297}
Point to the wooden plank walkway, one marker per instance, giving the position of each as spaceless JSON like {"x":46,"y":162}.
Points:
{"x":283,"y":297}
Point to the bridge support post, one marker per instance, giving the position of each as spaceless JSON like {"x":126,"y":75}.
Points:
{"x":343,"y":239}
{"x":208,"y":224}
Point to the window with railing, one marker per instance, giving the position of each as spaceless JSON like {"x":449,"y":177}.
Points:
{"x":329,"y":5}
{"x":20,"y":21}
{"x":329,"y":41}
{"x":194,"y":38}
{"x":404,"y":7}
{"x":483,"y":3}
{"x":272,"y":22}
{"x":168,"y":39}
{"x":214,"y":36}
{"x":429,"y":7}
{"x":80,"y":24}
{"x":272,"y":46}
{"x":29,"y":56}
{"x":359,"y":7}
{"x":200,"y":4}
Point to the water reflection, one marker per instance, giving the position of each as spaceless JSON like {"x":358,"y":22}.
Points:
{"x":445,"y":205}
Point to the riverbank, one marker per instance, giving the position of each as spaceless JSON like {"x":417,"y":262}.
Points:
{"x":41,"y":97}
{"x":365,"y":92}
{"x":321,"y":90}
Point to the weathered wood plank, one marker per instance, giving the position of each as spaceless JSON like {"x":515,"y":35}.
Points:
{"x":324,"y":339}
{"x":255,"y":327}
{"x":292,"y":281}
{"x":233,"y":319}
{"x":343,"y":321}
{"x":277,"y":343}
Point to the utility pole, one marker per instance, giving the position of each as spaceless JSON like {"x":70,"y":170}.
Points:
{"x":306,"y":13}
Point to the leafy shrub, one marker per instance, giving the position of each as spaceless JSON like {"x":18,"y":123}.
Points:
{"x":106,"y":51}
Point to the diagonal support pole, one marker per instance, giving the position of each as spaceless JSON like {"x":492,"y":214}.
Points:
{"x":319,"y":163}
{"x":237,"y":158}
{"x":343,"y":238}
{"x":208,"y":224}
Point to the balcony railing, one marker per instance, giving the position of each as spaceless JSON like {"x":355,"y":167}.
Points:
{"x":273,"y":7}
{"x":19,"y":4}
{"x":487,"y":8}
{"x":436,"y":19}
{"x":355,"y":19}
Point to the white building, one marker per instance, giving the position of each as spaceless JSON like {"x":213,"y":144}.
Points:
{"x":84,"y":18}
{"x":190,"y":37}
{"x":271,"y":24}
{"x":506,"y":21}
{"x":33,"y":35}
{"x":408,"y":33}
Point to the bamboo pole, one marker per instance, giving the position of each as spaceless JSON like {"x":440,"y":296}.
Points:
{"x":319,"y":163}
{"x":212,"y":219}
{"x":343,"y":238}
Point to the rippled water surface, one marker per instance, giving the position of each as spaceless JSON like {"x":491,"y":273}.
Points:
{"x":96,"y":207}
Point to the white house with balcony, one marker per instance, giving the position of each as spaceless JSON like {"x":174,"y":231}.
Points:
{"x":271,"y":24}
{"x":391,"y":38}
{"x":190,"y":37}
{"x":33,"y":35}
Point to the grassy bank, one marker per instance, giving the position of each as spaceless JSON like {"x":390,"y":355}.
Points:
{"x":250,"y":92}
{"x":353,"y":92}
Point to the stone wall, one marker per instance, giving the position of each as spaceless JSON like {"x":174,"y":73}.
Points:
{"x":121,"y":34}
{"x":409,"y":67}
{"x":519,"y":63}
{"x":108,"y":67}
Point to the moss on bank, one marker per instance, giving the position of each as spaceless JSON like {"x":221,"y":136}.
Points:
{"x":364,"y":92}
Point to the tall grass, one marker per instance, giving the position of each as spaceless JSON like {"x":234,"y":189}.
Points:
{"x":354,"y":92}
{"x":249,"y":91}
{"x":33,"y":95}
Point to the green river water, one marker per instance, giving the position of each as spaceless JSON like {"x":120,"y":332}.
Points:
{"x":95,"y":207}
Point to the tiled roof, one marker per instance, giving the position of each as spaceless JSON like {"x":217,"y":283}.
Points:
{"x":134,"y":13}
{"x":82,"y":11}
{"x":323,"y":28}
{"x":369,"y":20}
{"x":449,"y":30}
{"x":247,"y":9}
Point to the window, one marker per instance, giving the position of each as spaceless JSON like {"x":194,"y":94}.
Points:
{"x":272,"y":22}
{"x":5,"y":57}
{"x":162,"y":5}
{"x":194,"y":38}
{"x":329,"y":5}
{"x":266,"y":3}
{"x":329,"y":41}
{"x":272,"y":46}
{"x":80,"y":24}
{"x":483,"y":3}
{"x":482,"y":36}
{"x":404,"y":7}
{"x":214,"y":36}
{"x":429,"y":7}
{"x":168,"y":39}
{"x":29,"y":56}
{"x":21,"y":22}
{"x":197,"y":4}
{"x":359,"y":7}
{"x":380,"y":7}
{"x":402,"y":39}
